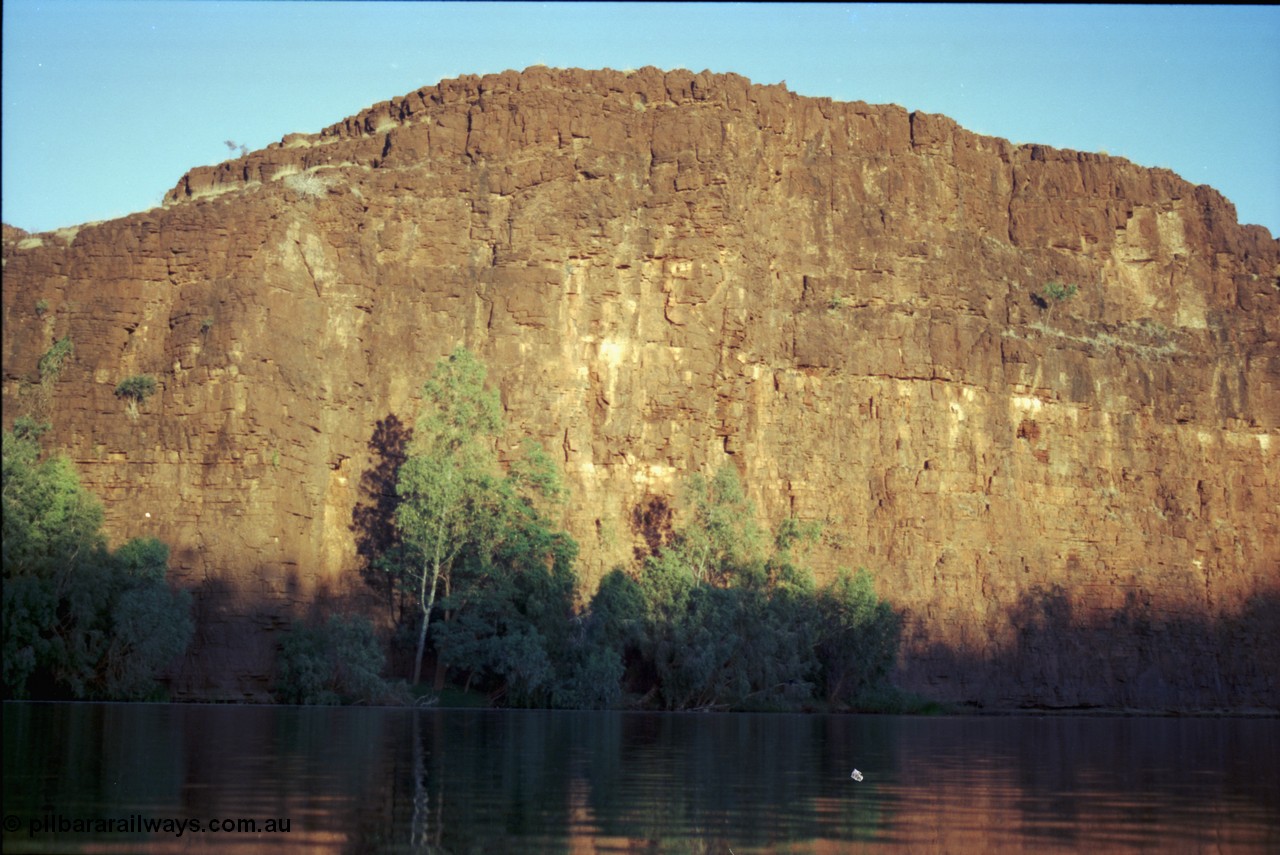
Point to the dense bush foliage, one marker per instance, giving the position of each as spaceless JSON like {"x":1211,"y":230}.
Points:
{"x":729,"y":626}
{"x":858,"y":641}
{"x":80,"y":621}
{"x":482,"y":566}
{"x":722,"y":616}
{"x":339,"y":661}
{"x":138,"y":387}
{"x":135,"y":390}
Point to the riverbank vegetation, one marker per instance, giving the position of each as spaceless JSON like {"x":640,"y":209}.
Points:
{"x":719,"y":615}
{"x":80,"y":621}
{"x":724,"y":615}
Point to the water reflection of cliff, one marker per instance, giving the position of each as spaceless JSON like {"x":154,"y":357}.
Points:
{"x":365,"y":780}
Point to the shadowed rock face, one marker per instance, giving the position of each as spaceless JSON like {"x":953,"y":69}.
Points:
{"x":665,"y":271}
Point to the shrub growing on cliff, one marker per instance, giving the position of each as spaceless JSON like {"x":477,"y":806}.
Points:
{"x":54,"y":360}
{"x":1056,"y":292}
{"x":79,"y":621}
{"x":135,"y":390}
{"x":308,"y":184}
{"x":37,"y":397}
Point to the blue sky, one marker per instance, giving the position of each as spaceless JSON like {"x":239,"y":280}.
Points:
{"x":107,"y":104}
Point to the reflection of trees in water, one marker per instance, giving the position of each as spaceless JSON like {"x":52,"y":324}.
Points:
{"x":491,"y":781}
{"x":744,"y":779}
{"x":1088,"y":782}
{"x":532,"y":781}
{"x":431,"y":781}
{"x":424,"y":834}
{"x":470,"y":781}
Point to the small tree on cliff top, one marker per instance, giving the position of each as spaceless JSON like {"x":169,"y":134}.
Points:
{"x":448,"y":486}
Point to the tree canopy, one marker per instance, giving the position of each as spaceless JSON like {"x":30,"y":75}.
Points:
{"x":481,"y":534}
{"x":80,"y":621}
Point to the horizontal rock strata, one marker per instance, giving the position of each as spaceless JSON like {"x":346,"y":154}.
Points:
{"x":1074,"y":501}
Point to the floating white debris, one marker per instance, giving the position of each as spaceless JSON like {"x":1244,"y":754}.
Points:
{"x":857,"y":776}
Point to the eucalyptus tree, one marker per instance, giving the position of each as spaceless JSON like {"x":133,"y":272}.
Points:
{"x":448,"y":484}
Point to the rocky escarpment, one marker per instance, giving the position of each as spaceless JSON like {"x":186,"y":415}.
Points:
{"x":1072,"y":501}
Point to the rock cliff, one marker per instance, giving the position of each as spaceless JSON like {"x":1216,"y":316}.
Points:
{"x":1073,"y":501}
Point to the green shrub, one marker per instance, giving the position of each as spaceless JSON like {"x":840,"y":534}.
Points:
{"x":38,"y":396}
{"x":859,"y":638}
{"x":135,"y":390}
{"x":1056,"y":292}
{"x":139,"y":387}
{"x":593,"y":680}
{"x":338,"y":662}
{"x":151,"y":623}
{"x":612,"y":628}
{"x":30,"y":428}
{"x":723,"y":619}
{"x":79,"y":621}
{"x":890,"y":700}
{"x":617,"y":613}
{"x":53,"y":361}
{"x":104,"y":632}
{"x":737,"y":648}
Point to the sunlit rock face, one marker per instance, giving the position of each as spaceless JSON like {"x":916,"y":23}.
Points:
{"x":1073,"y":501}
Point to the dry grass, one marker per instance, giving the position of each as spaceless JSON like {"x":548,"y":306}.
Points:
{"x":215,"y":190}
{"x":1106,"y":340}
{"x":309,"y":183}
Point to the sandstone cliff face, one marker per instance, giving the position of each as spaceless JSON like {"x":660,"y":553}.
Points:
{"x":1074,"y":503}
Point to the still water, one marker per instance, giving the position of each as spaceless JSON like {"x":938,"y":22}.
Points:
{"x":94,"y":777}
